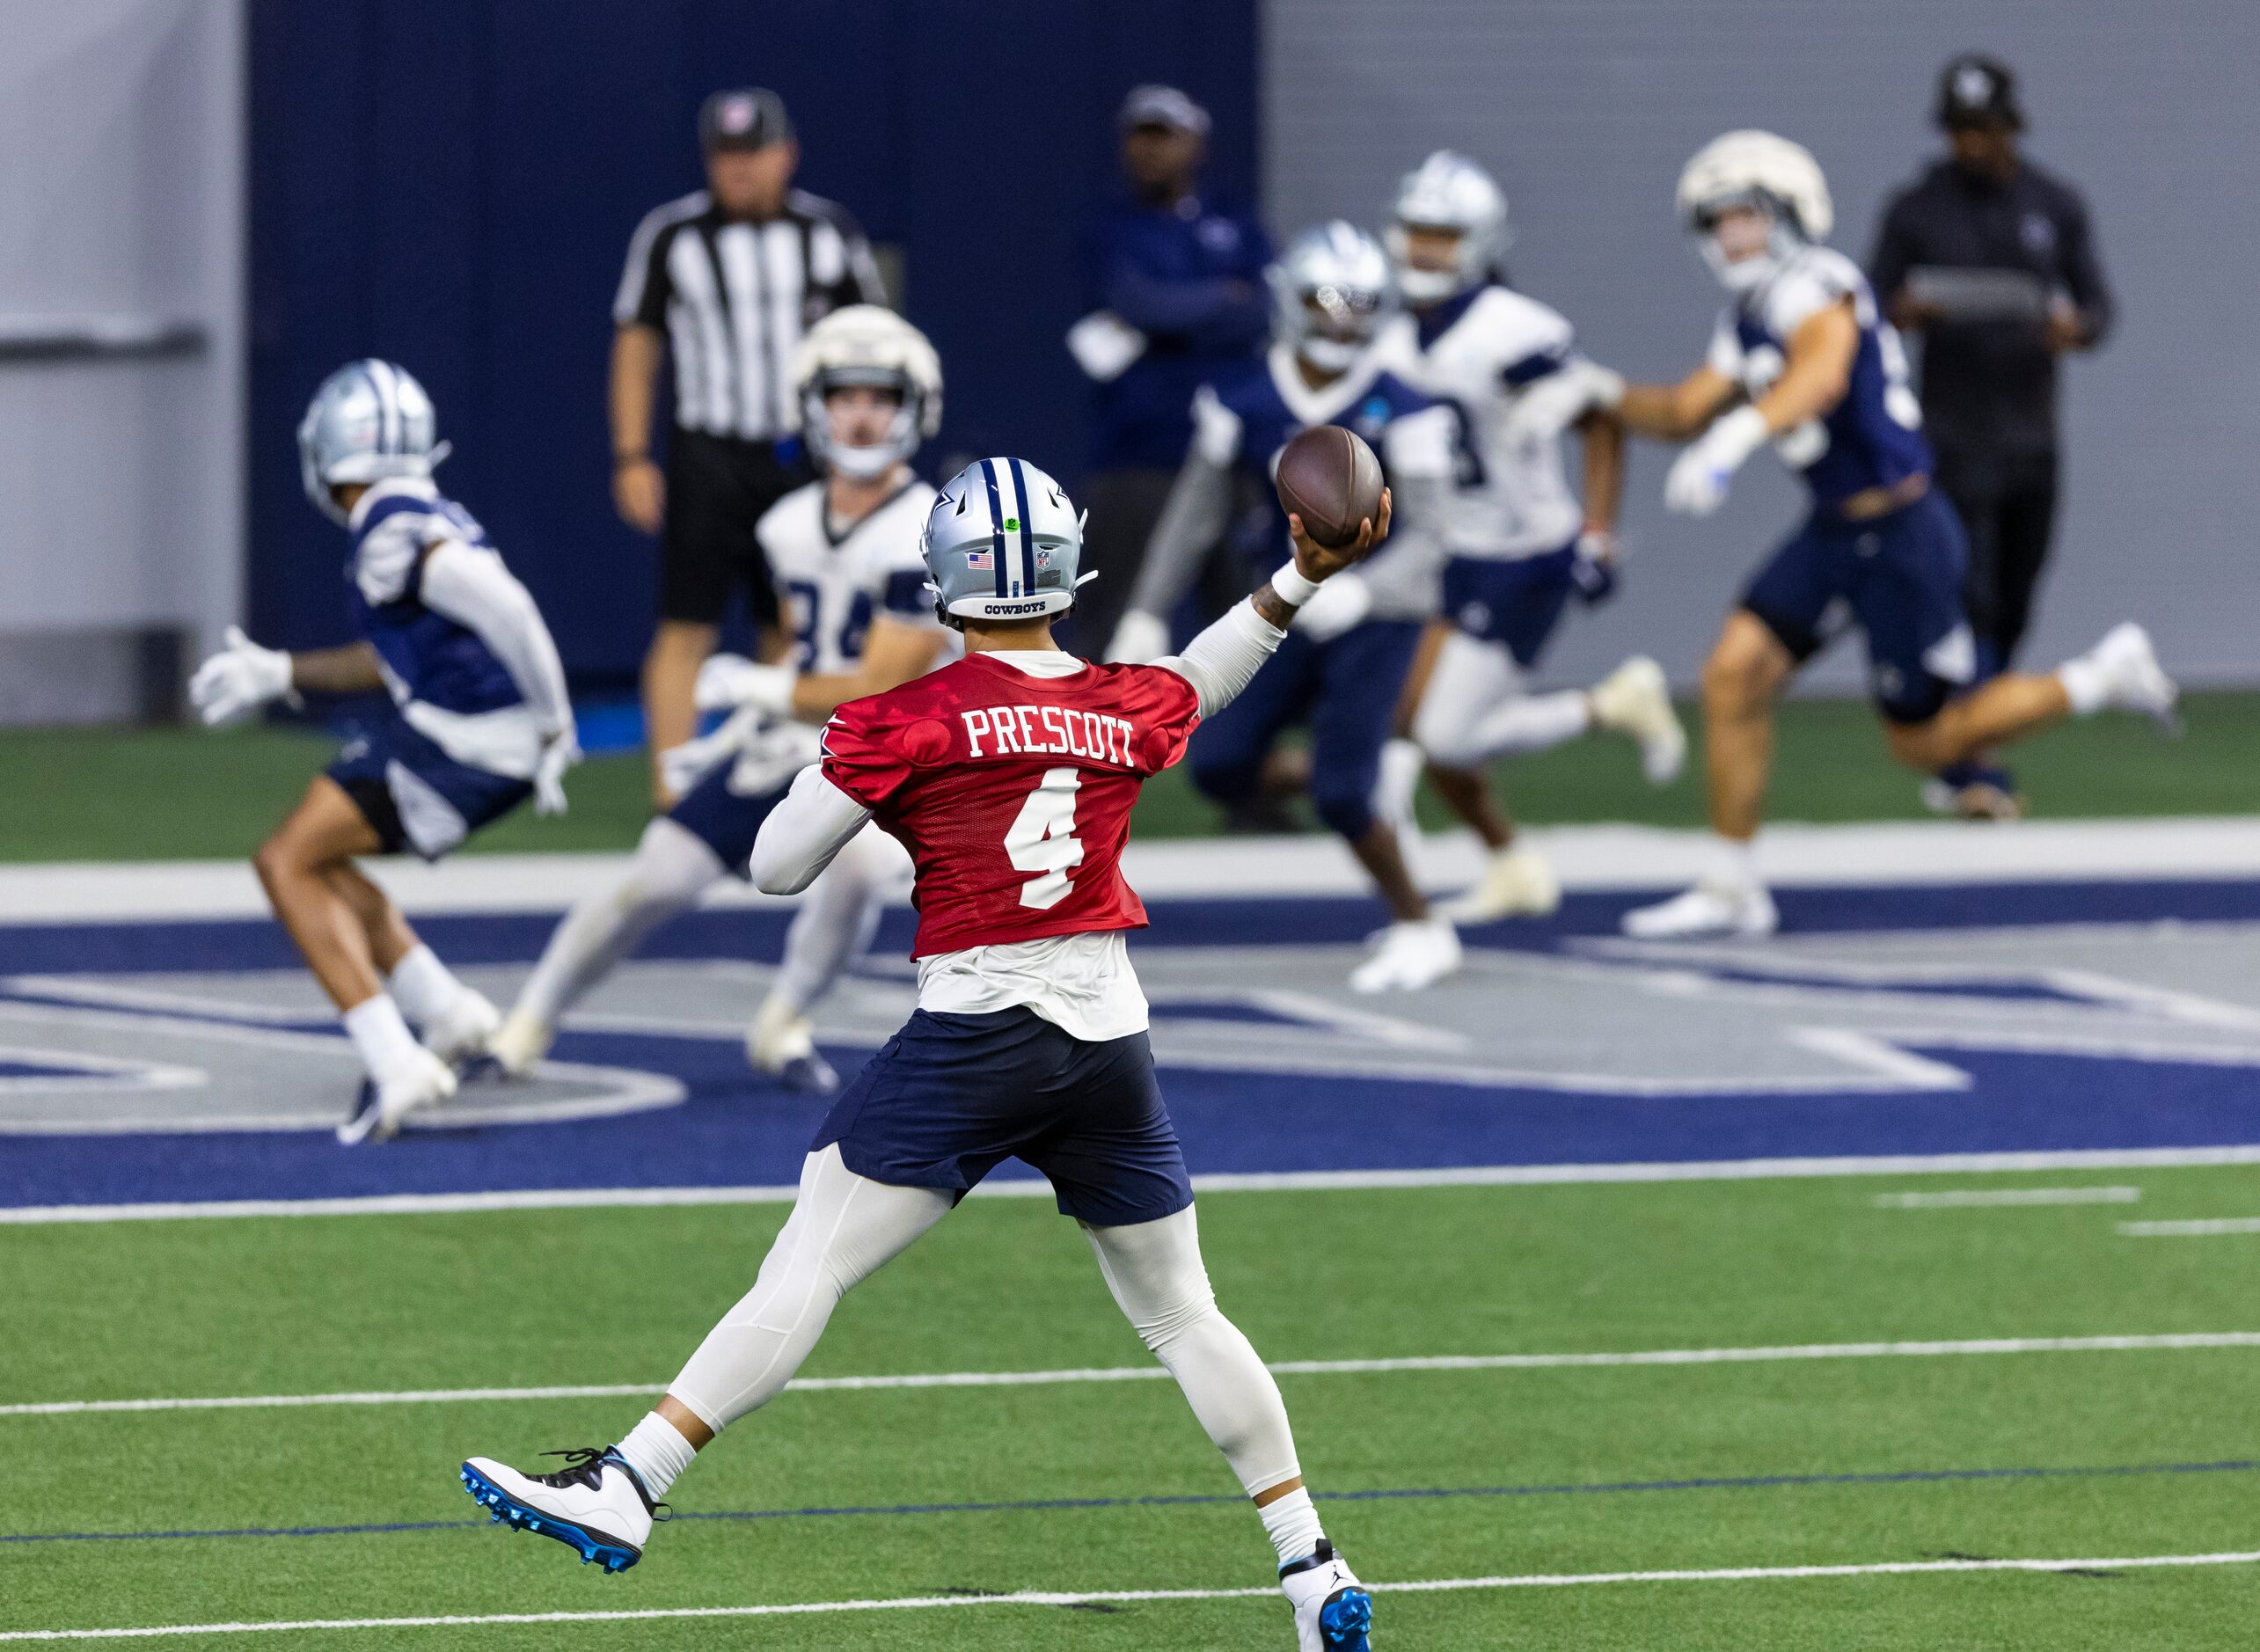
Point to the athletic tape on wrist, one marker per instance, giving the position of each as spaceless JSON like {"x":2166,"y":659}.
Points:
{"x":1293,"y":586}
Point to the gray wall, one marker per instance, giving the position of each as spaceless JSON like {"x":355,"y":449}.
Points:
{"x":121,"y":137}
{"x":1586,"y":109}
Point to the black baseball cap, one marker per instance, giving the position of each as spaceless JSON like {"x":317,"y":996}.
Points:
{"x":1975,"y":90}
{"x":747,"y":118}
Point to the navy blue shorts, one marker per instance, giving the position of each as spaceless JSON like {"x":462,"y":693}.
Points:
{"x":951,"y":1097}
{"x":726,"y":822}
{"x":1517,"y":602}
{"x":414,"y":794}
{"x":1345,"y":690}
{"x":1899,"y":577}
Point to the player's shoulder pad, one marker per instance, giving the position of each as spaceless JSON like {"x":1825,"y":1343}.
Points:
{"x":1401,"y":398}
{"x":1217,"y":426}
{"x":1818,"y":277}
{"x":795,"y":515}
{"x":1518,"y":323}
{"x":390,"y":543}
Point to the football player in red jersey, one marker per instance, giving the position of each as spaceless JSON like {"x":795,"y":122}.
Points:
{"x":1009,"y":776}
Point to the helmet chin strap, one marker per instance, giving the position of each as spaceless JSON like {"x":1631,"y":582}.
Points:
{"x":1331,"y":355}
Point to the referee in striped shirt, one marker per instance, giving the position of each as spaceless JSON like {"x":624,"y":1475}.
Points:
{"x":723,"y":282}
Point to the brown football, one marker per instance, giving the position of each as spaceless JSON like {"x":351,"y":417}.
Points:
{"x":1329,"y":477}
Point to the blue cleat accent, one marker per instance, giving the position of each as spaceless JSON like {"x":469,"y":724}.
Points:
{"x":614,"y":1556}
{"x":1346,"y":1618}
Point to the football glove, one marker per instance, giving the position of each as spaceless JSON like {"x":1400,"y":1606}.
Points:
{"x":559,"y":753}
{"x":239,"y":680}
{"x":1699,"y":476}
{"x":728,"y":681}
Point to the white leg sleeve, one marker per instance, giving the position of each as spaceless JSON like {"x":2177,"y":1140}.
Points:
{"x":843,"y":1228}
{"x":837,"y":917}
{"x":673,"y":867}
{"x":1154,"y":1270}
{"x":1475,"y":708}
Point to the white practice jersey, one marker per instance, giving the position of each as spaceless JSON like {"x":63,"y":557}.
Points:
{"x":830,"y":586}
{"x":1481,"y":351}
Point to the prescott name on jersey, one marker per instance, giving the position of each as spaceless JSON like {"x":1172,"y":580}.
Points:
{"x":1013,"y":792}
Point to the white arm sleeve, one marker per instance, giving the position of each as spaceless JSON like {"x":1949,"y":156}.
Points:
{"x":1225,"y":658}
{"x":1198,"y":511}
{"x":814,"y":822}
{"x":473,"y":588}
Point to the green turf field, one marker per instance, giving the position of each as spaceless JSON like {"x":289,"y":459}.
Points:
{"x":619,"y":1296}
{"x":180,"y":793}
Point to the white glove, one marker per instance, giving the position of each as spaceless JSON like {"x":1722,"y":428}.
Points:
{"x":728,"y":681}
{"x":239,"y":680}
{"x":1561,"y":398}
{"x":560,"y":753}
{"x":1140,"y":639}
{"x":684,"y":766}
{"x":1341,"y":601}
{"x":1698,"y":482}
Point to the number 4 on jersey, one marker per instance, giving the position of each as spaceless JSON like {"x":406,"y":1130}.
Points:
{"x":1042,"y":839}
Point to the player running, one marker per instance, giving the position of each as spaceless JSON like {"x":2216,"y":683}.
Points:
{"x":1519,"y":544}
{"x":1801,"y":359}
{"x":480,"y":723}
{"x":844,"y":552}
{"x":1342,"y":667}
{"x":1009,"y":776}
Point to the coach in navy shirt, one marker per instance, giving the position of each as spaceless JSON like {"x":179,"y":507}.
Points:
{"x":1176,"y":283}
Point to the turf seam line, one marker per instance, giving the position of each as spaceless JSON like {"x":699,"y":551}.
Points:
{"x":1281,"y":1181}
{"x":2168,"y":1342}
{"x":1045,"y":1597}
{"x":1055,"y":1505}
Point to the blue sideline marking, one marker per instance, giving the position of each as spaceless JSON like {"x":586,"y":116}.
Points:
{"x":1050,"y":1505}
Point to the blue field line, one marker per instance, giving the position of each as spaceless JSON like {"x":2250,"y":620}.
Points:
{"x":1048,"y":1505}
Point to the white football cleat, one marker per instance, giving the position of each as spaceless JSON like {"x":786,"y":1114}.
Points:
{"x":1635,"y":700}
{"x":597,"y":1504}
{"x":1413,"y":953}
{"x":1515,"y":883}
{"x":423,"y":1081}
{"x":519,"y":1043}
{"x":1710,"y":910}
{"x":1332,"y":1612}
{"x":782,"y":1042}
{"x":466,"y":1030}
{"x":2134,"y":679}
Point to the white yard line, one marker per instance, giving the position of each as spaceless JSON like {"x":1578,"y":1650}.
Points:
{"x":1603,"y":856}
{"x":2210,"y":1227}
{"x":2172,"y":1343}
{"x":1279,"y":1181}
{"x":1095,"y":1596}
{"x":1957,"y":1198}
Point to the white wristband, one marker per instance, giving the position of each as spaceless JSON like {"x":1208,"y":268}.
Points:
{"x":1293,"y":587}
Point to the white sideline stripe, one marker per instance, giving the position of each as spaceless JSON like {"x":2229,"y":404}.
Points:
{"x":1954,"y":1198}
{"x":1597,"y":857}
{"x":1091,"y":1597}
{"x":1266,"y":1182}
{"x":1999,"y":1345}
{"x":2210,"y":1227}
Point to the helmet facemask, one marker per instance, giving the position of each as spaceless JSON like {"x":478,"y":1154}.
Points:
{"x":898,"y":436}
{"x":1745,"y":238}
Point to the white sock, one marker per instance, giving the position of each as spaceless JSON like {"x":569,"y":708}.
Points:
{"x":385,"y":1044}
{"x":656,"y":1450}
{"x":1734,"y":860}
{"x":1292,"y":1524}
{"x":2086,"y":683}
{"x":424,"y":988}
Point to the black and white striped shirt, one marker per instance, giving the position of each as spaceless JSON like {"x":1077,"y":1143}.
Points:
{"x":734,"y":296}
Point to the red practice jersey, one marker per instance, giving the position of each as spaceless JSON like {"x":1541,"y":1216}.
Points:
{"x":1013,"y":792}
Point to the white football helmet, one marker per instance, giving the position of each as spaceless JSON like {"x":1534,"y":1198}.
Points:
{"x":1755,"y":169}
{"x":1331,"y":290}
{"x":370,"y":421}
{"x":864,"y":344}
{"x":1447,"y":191}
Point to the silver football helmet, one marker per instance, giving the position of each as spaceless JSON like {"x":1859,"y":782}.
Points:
{"x":371,"y":420}
{"x":1331,"y":290}
{"x":1002,"y":542}
{"x":864,"y":344}
{"x":1780,"y":180}
{"x":1448,"y":191}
